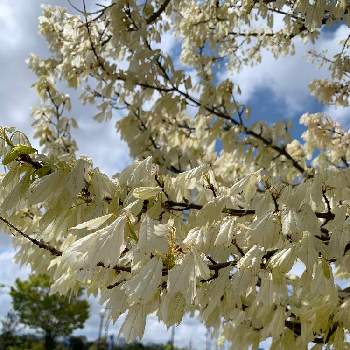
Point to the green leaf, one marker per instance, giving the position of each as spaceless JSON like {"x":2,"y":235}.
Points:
{"x":133,"y":234}
{"x":326,"y":269}
{"x":16,"y":151}
{"x":45,"y":170}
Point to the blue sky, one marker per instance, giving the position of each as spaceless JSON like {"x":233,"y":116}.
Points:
{"x":274,"y":90}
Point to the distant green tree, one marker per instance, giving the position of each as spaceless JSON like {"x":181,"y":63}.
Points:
{"x":54,"y":315}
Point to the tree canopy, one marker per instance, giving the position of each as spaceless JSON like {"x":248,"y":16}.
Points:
{"x":215,"y":211}
{"x":54,"y":315}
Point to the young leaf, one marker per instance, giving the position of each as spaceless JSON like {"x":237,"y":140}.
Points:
{"x":16,"y":151}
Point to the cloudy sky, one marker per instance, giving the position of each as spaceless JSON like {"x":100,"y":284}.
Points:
{"x":274,"y":89}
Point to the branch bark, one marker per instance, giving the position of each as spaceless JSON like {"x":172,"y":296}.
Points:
{"x":155,"y":15}
{"x":39,"y":243}
{"x":179,"y":206}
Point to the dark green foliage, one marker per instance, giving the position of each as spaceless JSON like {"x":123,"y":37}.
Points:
{"x":76,"y":343}
{"x":53,"y":315}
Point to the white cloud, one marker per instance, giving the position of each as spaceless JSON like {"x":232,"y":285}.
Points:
{"x":339,"y":114}
{"x":102,"y":143}
{"x":168,"y":43}
{"x":190,"y":330}
{"x":288,"y":77}
{"x":9,"y":270}
{"x":5,"y":242}
{"x":8,"y":273}
{"x":10,"y":33}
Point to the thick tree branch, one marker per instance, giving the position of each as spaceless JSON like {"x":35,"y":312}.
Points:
{"x":155,"y":15}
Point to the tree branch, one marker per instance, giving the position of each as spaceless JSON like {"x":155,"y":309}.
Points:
{"x":179,"y":206}
{"x":281,"y":150}
{"x":155,"y":15}
{"x":39,"y":243}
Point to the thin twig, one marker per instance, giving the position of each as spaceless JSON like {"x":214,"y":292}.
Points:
{"x":39,"y":243}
